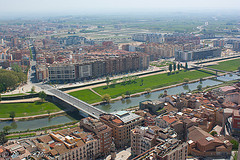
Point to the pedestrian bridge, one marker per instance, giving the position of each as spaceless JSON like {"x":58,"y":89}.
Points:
{"x":212,"y":69}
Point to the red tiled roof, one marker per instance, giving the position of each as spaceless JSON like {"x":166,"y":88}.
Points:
{"x":169,"y":119}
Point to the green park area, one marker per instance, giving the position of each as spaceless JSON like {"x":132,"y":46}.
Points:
{"x":12,"y":95}
{"x":86,"y":96}
{"x":139,"y":85}
{"x":230,"y":65}
{"x":27,"y":109}
{"x":155,"y":81}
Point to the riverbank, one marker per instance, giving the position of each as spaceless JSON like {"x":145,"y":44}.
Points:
{"x":157,"y":89}
{"x":138,"y":86}
{"x":122,"y":104}
{"x":35,"y":116}
{"x":32,"y":110}
{"x":41,"y":131}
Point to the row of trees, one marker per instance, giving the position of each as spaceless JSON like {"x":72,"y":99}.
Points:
{"x":11,"y":79}
{"x":128,"y":79}
{"x":107,"y":98}
{"x":175,"y":66}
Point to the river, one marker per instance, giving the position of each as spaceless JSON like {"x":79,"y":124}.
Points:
{"x":115,"y":106}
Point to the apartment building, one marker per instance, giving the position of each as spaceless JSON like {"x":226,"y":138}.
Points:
{"x":150,"y":37}
{"x":122,"y":122}
{"x":83,"y":71}
{"x":202,"y":143}
{"x":103,"y":132}
{"x":144,"y":138}
{"x":69,"y":144}
{"x":218,"y":43}
{"x":41,"y":72}
{"x":169,"y":149}
{"x":204,"y":53}
{"x":197,"y":54}
{"x":236,"y":122}
{"x":157,"y":51}
{"x":61,"y":72}
{"x":109,"y":65}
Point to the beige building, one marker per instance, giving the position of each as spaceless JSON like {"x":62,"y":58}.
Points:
{"x":103,"y":132}
{"x":122,"y":122}
{"x":233,"y":97}
{"x":61,"y":72}
{"x":144,"y":138}
{"x":170,"y":149}
{"x":41,"y":72}
{"x":69,"y":144}
{"x":202,"y":143}
{"x":83,"y":71}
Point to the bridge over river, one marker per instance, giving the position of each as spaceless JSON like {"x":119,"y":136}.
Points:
{"x":74,"y":102}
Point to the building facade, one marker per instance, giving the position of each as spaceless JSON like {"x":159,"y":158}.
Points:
{"x":101,"y":130}
{"x":121,"y":122}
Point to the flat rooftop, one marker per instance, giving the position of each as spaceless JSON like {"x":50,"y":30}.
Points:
{"x":126,"y":116}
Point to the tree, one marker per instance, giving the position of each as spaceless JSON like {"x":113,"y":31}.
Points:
{"x":186,"y":66}
{"x":42,"y":95}
{"x":107,"y":80}
{"x":174,"y":66}
{"x":16,"y":68}
{"x":32,"y":89}
{"x":178,"y":66}
{"x":161,"y":95}
{"x":6,"y":129}
{"x":10,"y":79}
{"x":128,"y":93}
{"x":135,"y":78}
{"x":123,"y":96}
{"x":213,"y":133}
{"x":199,"y":87}
{"x":12,"y":114}
{"x":170,"y":68}
{"x":148,"y":90}
{"x":114,"y":82}
{"x":141,"y":82}
{"x":106,"y":98}
{"x":3,"y":138}
{"x":186,"y":80}
{"x":235,"y":144}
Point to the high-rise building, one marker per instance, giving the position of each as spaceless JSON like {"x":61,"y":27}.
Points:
{"x":236,"y":122}
{"x":103,"y":132}
{"x":122,"y":122}
{"x":169,"y":149}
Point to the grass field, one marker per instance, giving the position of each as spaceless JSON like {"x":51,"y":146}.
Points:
{"x":27,"y":109}
{"x":231,"y":65}
{"x":86,"y":96}
{"x":152,"y":82}
{"x":21,"y":136}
